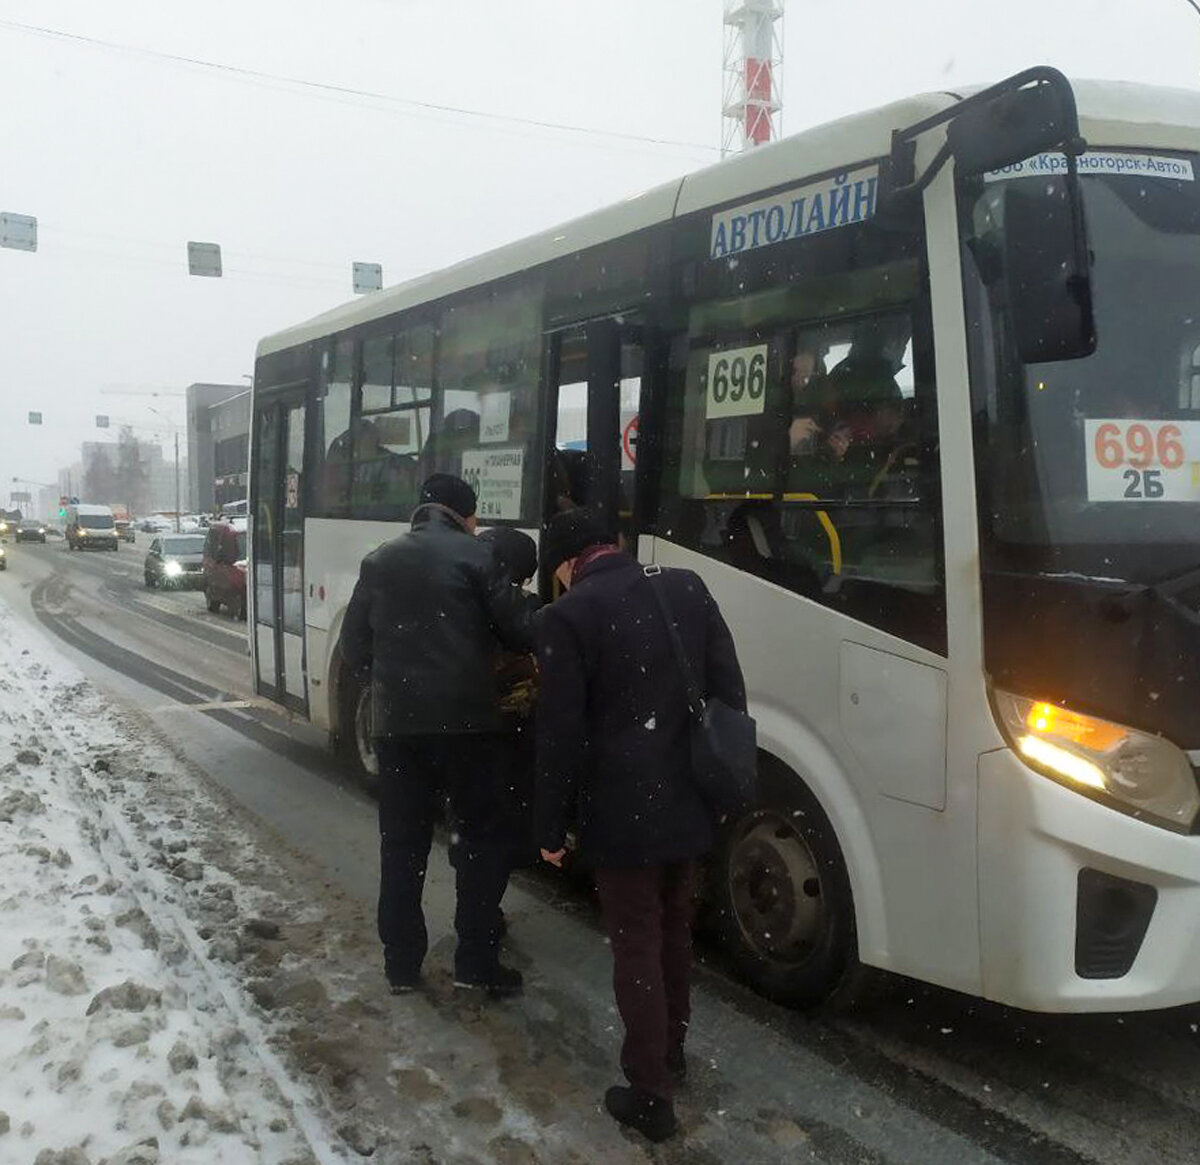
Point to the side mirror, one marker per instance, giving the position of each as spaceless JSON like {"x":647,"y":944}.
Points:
{"x":1013,"y":125}
{"x":1048,"y":284}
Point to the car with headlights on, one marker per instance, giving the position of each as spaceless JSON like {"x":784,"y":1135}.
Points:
{"x":91,"y":527}
{"x":30,"y":531}
{"x":175,"y":560}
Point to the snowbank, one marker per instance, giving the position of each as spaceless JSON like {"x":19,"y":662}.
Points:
{"x":120,"y":1039}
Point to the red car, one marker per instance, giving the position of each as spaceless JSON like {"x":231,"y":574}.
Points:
{"x":225,"y":568}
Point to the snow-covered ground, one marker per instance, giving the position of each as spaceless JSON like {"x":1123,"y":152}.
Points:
{"x":177,"y":984}
{"x":122,"y":1037}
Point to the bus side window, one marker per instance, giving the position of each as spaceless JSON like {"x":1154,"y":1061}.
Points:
{"x":391,"y":425}
{"x":806,"y":453}
{"x":487,"y":423}
{"x":332,"y":494}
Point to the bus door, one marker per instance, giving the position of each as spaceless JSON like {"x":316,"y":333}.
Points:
{"x":596,"y":371}
{"x":278,"y":550}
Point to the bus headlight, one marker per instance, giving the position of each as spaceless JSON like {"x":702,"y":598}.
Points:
{"x":1134,"y":771}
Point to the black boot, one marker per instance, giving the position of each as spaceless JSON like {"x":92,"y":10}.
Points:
{"x":402,"y":977}
{"x":500,"y":982}
{"x":651,"y":1115}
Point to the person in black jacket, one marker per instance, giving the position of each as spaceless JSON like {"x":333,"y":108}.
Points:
{"x":613,"y":750}
{"x":428,"y":616}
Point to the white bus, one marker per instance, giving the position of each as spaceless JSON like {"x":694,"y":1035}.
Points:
{"x":918,"y":394}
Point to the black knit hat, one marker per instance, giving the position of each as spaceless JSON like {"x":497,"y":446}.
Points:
{"x":568,"y":535}
{"x":514,"y":551}
{"x":444,"y":489}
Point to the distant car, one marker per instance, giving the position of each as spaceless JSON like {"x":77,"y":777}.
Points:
{"x":175,"y":560}
{"x":30,"y":531}
{"x":125,"y":530}
{"x":53,"y":531}
{"x":225,"y":567}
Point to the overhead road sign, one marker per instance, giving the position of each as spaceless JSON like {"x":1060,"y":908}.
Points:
{"x":204,"y":259}
{"x":18,"y":232}
{"x":368,"y":277}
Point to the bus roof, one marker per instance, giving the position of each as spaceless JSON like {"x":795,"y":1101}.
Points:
{"x":1108,"y":110}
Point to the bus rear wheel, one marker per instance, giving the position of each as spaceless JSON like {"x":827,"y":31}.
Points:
{"x":781,"y":897}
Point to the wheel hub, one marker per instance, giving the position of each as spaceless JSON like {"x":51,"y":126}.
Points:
{"x":363,"y":735}
{"x":777,"y":893}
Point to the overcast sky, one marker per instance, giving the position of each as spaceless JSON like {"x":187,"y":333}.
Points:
{"x":124,"y":157}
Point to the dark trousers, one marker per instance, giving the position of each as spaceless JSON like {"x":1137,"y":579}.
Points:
{"x":416,"y":775}
{"x":648,"y":914}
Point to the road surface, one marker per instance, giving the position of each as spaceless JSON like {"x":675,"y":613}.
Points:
{"x":923,"y":1076}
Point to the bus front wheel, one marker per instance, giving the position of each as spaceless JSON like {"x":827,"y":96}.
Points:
{"x":781,"y":896}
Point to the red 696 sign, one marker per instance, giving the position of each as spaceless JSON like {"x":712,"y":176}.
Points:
{"x":1138,"y":461}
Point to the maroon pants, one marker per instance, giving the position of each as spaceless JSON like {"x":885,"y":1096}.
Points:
{"x":648,"y":914}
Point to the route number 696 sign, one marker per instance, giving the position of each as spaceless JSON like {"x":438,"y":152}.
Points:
{"x":1142,"y":461}
{"x":737,"y":383}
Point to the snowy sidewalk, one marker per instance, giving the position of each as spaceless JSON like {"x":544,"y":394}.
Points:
{"x":120,"y":1039}
{"x":179,"y":985}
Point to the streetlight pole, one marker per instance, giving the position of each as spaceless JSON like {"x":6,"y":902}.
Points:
{"x":176,"y":428}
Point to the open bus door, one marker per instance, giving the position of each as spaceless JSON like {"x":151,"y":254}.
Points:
{"x":597,"y":376}
{"x":277,"y":548}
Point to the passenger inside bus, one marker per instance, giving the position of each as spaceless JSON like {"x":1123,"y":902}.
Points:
{"x":383,"y":482}
{"x":847,"y":423}
{"x":457,"y":434}
{"x":755,"y":541}
{"x":573,"y":470}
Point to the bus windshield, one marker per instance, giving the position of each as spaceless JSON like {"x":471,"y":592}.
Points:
{"x":1088,"y":471}
{"x":1083,"y":465}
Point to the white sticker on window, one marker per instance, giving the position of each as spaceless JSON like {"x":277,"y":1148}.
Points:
{"x":737,"y":383}
{"x":496,"y":476}
{"x":1142,"y":461}
{"x":495,"y":408}
{"x":1098,"y":162}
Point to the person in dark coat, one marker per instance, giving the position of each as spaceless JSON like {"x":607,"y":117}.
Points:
{"x":516,"y":682}
{"x":427,"y":619}
{"x":613,"y":749}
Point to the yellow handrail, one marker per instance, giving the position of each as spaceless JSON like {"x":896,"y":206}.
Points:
{"x":835,"y":541}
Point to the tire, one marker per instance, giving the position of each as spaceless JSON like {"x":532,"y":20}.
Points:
{"x":212,"y":602}
{"x":239,"y":612}
{"x":149,"y":580}
{"x":781,"y":899}
{"x":354,"y":739}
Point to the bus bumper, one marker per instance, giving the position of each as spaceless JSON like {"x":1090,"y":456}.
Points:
{"x":1039,"y":927}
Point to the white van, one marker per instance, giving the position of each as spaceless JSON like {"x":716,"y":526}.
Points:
{"x":91,"y":526}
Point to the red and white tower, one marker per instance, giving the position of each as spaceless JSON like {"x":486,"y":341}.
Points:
{"x":753,"y":98}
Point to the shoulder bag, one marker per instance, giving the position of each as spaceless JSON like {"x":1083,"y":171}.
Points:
{"x":724,"y":743}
